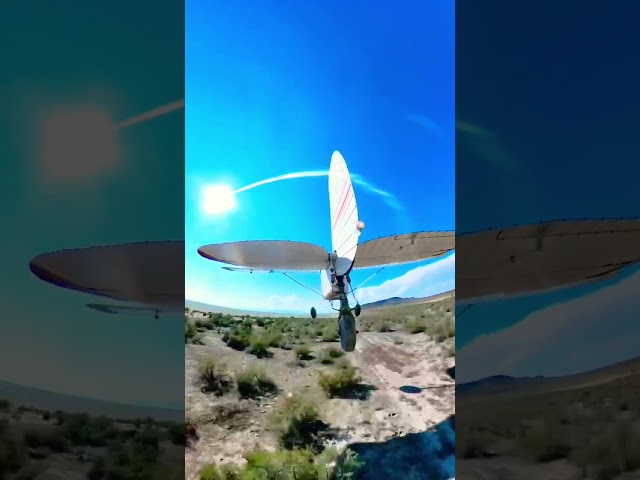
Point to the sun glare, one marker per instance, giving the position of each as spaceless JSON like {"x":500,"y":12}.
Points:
{"x":218,"y":199}
{"x":78,"y":143}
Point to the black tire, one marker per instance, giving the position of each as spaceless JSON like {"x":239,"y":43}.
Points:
{"x":314,"y":314}
{"x":357,"y":310}
{"x":347,"y":326}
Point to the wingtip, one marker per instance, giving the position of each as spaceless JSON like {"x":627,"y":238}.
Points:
{"x":336,"y":156}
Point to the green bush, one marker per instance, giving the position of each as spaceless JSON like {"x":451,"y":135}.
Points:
{"x":340,"y":382}
{"x":204,"y":322}
{"x":546,"y":443}
{"x":335,"y":352}
{"x":330,"y":332}
{"x":236,"y":340}
{"x":286,"y":465}
{"x":297,"y":424}
{"x":49,"y":436}
{"x":177,"y":433}
{"x":190,"y":331}
{"x":382,"y":325}
{"x":415,"y":326}
{"x":442,"y":329}
{"x":222,"y":320}
{"x":212,"y":472}
{"x":215,"y":377}
{"x":259,"y":345}
{"x":13,"y":453}
{"x":276,"y":340}
{"x":303,"y":352}
{"x":254,"y":383}
{"x":329,"y":355}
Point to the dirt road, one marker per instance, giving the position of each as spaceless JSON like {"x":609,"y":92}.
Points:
{"x":415,"y":404}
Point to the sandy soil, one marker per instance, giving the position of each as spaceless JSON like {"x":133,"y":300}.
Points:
{"x":380,"y":427}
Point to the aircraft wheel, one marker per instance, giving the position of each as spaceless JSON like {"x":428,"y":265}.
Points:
{"x":314,"y":314}
{"x":347,"y":326}
{"x":357,"y":310}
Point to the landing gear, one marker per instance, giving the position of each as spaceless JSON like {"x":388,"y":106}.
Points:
{"x":314,"y":314}
{"x":347,"y":329}
{"x":357,"y":310}
{"x":156,"y":315}
{"x":346,"y":321}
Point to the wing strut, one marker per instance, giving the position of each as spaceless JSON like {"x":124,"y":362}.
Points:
{"x":302,"y":284}
{"x":353,"y":290}
{"x":465,"y":309}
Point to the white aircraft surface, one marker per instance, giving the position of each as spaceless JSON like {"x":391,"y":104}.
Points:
{"x":523,"y":260}
{"x":147,"y":276}
{"x":280,"y":256}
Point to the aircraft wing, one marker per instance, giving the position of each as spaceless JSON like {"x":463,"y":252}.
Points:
{"x":276,"y":270}
{"x":268,"y":255}
{"x":150,"y":273}
{"x":529,"y":259}
{"x":406,"y":248}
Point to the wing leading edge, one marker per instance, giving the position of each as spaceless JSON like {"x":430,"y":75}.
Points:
{"x":268,"y":255}
{"x":405,"y":248}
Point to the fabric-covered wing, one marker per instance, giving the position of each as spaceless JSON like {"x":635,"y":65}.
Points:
{"x":266,"y":255}
{"x":406,"y":248}
{"x":151,"y":273}
{"x":536,"y":258}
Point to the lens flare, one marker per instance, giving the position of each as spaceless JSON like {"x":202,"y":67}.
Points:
{"x":151,"y":114}
{"x":389,"y":198}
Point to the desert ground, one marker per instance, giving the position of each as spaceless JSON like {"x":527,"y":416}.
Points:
{"x":43,"y":445}
{"x":583,"y":426}
{"x":280,"y":396}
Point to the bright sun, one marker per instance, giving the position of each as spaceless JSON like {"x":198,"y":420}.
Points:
{"x":218,"y":199}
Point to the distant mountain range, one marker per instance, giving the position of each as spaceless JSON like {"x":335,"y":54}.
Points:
{"x":504,"y":384}
{"x":497,"y":384}
{"x":389,"y":302}
{"x":21,"y":395}
{"x":205,"y":307}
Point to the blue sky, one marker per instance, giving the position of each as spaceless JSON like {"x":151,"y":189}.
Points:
{"x":48,"y":338}
{"x":275,"y":90}
{"x":547,"y":135}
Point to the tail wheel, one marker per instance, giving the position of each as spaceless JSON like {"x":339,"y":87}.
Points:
{"x":314,"y":314}
{"x":347,"y":325}
{"x":357,"y":310}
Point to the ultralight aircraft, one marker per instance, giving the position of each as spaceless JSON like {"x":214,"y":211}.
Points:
{"x":346,"y":255}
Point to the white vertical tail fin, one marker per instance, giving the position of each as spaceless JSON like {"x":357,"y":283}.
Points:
{"x":344,"y":213}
